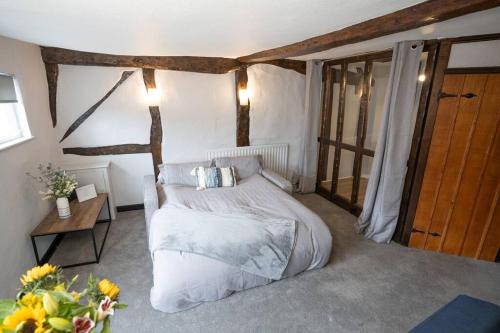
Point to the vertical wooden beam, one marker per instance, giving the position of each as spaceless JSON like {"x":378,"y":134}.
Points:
{"x":52,"y":71}
{"x":155,"y":137}
{"x":361,"y":129}
{"x":242,"y":111}
{"x":156,"y":132}
{"x":326,"y":117}
{"x":443,"y":55}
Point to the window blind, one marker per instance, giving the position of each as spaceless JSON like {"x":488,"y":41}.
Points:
{"x":7,"y":89}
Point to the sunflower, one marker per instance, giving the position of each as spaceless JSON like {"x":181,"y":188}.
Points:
{"x":109,"y":289}
{"x":31,"y":300}
{"x":34,"y":316}
{"x":38,"y":272}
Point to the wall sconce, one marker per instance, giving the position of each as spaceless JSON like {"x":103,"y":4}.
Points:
{"x":153,"y":96}
{"x":243,"y":96}
{"x":421,"y":77}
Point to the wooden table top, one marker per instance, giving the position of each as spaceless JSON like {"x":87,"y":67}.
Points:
{"x":83,"y":217}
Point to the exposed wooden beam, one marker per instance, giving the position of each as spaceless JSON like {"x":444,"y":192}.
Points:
{"x":156,"y":132}
{"x":52,"y":71}
{"x":424,"y":13}
{"x":109,"y":150}
{"x":213,"y":65}
{"x":296,"y":65}
{"x":242,"y":111}
{"x":89,"y":112}
{"x":148,"y":75}
{"x":155,"y":138}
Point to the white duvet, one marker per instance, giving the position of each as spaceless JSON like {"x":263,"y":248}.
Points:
{"x":183,"y":280}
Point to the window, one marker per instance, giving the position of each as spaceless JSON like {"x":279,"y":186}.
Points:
{"x":13,"y":124}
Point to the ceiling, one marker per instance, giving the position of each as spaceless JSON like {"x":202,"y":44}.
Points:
{"x":229,"y":28}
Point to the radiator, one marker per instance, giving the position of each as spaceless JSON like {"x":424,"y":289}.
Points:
{"x":274,"y":157}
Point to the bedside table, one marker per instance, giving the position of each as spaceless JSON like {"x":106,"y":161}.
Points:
{"x":83,"y":218}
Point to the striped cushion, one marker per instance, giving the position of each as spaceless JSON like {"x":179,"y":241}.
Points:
{"x":214,"y":177}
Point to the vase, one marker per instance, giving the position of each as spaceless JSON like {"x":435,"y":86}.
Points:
{"x":63,"y":208}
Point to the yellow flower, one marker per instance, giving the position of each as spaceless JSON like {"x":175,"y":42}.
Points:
{"x":76,"y":296}
{"x":38,"y":272}
{"x":31,"y":300}
{"x":109,"y":289}
{"x":36,"y":315}
{"x":60,"y":287}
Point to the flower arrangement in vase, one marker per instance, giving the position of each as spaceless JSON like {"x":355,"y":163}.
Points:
{"x":45,"y":304}
{"x":59,"y":186}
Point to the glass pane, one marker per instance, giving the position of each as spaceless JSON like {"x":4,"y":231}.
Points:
{"x":380,"y":77}
{"x":420,"y":83}
{"x":326,"y":182}
{"x":344,"y":185}
{"x":354,"y":90}
{"x":9,"y":124}
{"x":336,"y":75}
{"x":366,"y":166}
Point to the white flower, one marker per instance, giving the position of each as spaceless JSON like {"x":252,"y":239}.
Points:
{"x":105,"y":308}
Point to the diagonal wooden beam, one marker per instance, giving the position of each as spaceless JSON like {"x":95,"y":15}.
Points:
{"x":89,"y":112}
{"x":52,"y":71}
{"x":413,"y":17}
{"x":109,"y":150}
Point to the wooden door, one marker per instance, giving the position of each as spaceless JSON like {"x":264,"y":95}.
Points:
{"x":457,"y":212}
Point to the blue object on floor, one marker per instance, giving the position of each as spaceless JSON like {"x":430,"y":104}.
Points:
{"x":463,"y":314}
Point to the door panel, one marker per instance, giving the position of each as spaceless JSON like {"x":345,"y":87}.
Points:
{"x":457,"y":209}
{"x":441,"y":137}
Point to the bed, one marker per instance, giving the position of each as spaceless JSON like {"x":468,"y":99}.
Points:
{"x":183,"y":280}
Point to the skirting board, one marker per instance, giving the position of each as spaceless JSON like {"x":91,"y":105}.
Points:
{"x":126,"y":208}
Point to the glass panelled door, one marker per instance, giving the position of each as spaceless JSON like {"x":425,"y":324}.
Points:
{"x":353,"y":97}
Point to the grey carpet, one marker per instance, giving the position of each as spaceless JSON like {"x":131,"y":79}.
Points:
{"x":366,"y":287}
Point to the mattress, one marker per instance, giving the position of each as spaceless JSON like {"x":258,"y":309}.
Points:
{"x":184,"y":280}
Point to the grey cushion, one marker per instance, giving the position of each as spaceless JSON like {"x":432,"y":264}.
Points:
{"x":244,"y":166}
{"x":179,"y":173}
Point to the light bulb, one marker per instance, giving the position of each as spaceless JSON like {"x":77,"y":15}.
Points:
{"x":243,"y":96}
{"x":153,"y":96}
{"x":421,"y":77}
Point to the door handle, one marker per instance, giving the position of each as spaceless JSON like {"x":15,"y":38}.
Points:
{"x":468,"y":95}
{"x":443,"y":94}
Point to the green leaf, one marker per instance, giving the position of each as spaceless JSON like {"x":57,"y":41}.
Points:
{"x":106,"y":326}
{"x":7,"y":306}
{"x":120,"y":306}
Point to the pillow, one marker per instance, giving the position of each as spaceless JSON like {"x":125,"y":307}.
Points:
{"x":214,"y":177}
{"x":179,"y":173}
{"x":244,"y":166}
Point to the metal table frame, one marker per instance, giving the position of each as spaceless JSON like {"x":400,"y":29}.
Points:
{"x":60,"y":236}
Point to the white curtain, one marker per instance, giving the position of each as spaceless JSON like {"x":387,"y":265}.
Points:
{"x":312,"y":111}
{"x":385,"y":186}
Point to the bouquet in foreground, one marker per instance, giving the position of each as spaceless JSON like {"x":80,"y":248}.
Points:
{"x":47,"y":304}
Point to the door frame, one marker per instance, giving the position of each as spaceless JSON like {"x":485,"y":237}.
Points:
{"x":424,"y":128}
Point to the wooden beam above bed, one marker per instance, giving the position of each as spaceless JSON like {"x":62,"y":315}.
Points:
{"x":212,"y":65}
{"x":413,"y":17}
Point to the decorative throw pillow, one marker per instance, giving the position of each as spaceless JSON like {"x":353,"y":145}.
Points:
{"x":179,"y":173}
{"x":213,"y":177}
{"x":244,"y":166}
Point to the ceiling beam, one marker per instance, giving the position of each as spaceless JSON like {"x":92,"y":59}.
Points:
{"x":212,"y":65}
{"x":413,"y":17}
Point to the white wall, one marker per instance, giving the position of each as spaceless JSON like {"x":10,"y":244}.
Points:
{"x":277,"y":98}
{"x":20,"y":204}
{"x":477,"y":54}
{"x":198,"y":113}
